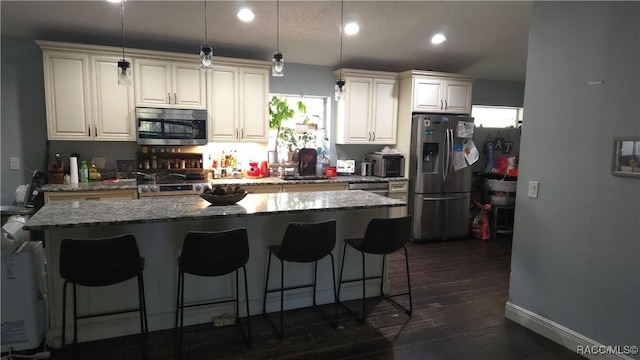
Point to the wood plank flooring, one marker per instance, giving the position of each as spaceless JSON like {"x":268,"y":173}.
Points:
{"x":459,"y":292}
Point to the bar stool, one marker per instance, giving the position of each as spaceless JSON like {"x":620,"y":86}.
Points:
{"x":211,"y":254}
{"x":303,"y":243}
{"x":101,"y":262}
{"x":383,"y":236}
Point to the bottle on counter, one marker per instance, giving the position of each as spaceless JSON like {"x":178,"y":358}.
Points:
{"x":93,"y":172}
{"x":84,"y":172}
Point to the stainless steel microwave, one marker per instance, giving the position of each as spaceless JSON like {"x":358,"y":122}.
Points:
{"x":171,"y":126}
{"x":387,"y":164}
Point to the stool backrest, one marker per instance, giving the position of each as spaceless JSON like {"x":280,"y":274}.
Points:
{"x":100,"y":262}
{"x":214,"y":253}
{"x":386,"y":235}
{"x":307,"y":242}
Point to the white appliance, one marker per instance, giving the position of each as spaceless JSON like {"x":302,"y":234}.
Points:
{"x":345,"y":167}
{"x":23,"y":298}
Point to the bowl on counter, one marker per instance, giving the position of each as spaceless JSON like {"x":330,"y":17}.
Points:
{"x":227,"y":199}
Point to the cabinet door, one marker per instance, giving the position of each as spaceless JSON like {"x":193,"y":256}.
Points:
{"x":427,"y":94}
{"x":67,"y":93}
{"x":189,"y":90}
{"x":223,"y":105}
{"x":385,"y":111}
{"x":152,"y":82}
{"x":254,"y":93}
{"x":357,"y":111}
{"x":457,"y":97}
{"x":113,"y":108}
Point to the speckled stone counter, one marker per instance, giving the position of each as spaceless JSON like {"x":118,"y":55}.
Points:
{"x":93,"y":186}
{"x":192,"y":207}
{"x":329,"y":180}
{"x":159,"y":225}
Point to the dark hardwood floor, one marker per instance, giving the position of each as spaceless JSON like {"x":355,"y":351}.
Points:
{"x":459,"y":292}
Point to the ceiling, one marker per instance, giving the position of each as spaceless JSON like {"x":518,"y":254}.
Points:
{"x":486,"y":39}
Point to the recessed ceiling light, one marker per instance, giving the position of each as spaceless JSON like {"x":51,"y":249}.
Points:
{"x":351,"y":28}
{"x":115,"y":1}
{"x":438,"y":39}
{"x":246,"y":15}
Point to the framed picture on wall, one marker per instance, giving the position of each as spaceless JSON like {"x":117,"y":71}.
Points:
{"x":626,"y":156}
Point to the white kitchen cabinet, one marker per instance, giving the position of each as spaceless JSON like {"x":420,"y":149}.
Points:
{"x":83,"y":99}
{"x":441,"y":95}
{"x":67,"y":95}
{"x":398,"y":190}
{"x":238,"y":103}
{"x":315,"y":187}
{"x":169,"y":84}
{"x":369,"y":112}
{"x":113,"y":109}
{"x":52,"y":197}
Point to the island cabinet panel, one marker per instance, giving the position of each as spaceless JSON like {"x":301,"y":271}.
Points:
{"x":399,"y":190}
{"x":66,"y":196}
{"x":238,"y":98}
{"x":262,"y":189}
{"x":170,"y":84}
{"x":369,"y":112}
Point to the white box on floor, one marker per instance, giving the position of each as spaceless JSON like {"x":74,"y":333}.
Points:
{"x":23,"y":306}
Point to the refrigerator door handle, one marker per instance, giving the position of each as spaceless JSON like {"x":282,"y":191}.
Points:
{"x":445,"y":163}
{"x":444,"y":198}
{"x":450,"y":153}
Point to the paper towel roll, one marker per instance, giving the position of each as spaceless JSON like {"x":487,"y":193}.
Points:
{"x":73,"y":170}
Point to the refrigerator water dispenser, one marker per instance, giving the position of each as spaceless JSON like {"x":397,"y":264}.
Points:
{"x":430,"y":157}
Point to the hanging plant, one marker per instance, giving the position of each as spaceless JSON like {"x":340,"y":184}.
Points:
{"x":279,"y":111}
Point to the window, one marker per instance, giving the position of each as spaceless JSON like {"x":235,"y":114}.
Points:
{"x":497,"y":116}
{"x":304,"y":129}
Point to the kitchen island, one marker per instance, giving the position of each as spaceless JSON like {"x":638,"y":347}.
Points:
{"x":160,"y":223}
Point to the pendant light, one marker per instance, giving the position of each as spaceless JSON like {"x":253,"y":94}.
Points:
{"x":206,"y":52}
{"x":124,"y":74}
{"x":339,"y":89}
{"x":277,"y":64}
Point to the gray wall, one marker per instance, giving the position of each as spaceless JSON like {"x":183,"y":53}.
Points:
{"x":576,"y":249}
{"x":497,"y":93}
{"x":23,"y":123}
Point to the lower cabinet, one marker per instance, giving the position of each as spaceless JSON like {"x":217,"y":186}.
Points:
{"x":314,"y":187}
{"x":262,"y":189}
{"x":398,"y":190}
{"x":65,"y":196}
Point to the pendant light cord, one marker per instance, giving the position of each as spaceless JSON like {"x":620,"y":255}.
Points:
{"x":122,"y":21}
{"x":278,"y":26}
{"x":206,"y":42}
{"x":341,"y":29}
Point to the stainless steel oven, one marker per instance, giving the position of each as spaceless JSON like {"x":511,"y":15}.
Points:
{"x":195,"y":188}
{"x":171,"y":126}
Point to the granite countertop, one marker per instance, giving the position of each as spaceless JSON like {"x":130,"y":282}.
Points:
{"x":192,"y":207}
{"x":131,"y":185}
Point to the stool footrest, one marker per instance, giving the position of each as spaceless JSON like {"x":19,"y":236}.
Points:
{"x":107,"y":313}
{"x":289,"y":288}
{"x":208,"y":303}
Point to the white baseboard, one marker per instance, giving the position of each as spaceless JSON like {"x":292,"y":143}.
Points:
{"x":555,"y":332}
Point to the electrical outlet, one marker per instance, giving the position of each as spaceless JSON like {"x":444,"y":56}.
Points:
{"x":14,"y":163}
{"x":533,"y":189}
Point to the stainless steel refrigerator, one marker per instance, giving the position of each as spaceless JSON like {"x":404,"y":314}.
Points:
{"x":439,"y":195}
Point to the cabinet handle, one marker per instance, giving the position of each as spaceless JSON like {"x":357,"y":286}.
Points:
{"x":369,"y":136}
{"x":446,"y":105}
{"x":169,"y":98}
{"x":96,"y":130}
{"x":441,"y":105}
{"x":241,"y":133}
{"x":92,"y":199}
{"x":89,"y":127}
{"x":175,"y":98}
{"x":374,"y":136}
{"x":236,"y":133}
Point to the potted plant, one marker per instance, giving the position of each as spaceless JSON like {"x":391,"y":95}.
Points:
{"x":279,"y":111}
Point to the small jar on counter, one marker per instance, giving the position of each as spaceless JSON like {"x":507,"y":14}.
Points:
{"x":154,"y":162}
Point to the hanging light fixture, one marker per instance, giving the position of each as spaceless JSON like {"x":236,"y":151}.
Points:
{"x":340,"y":83}
{"x":124,"y":74}
{"x":206,"y":52}
{"x":277,"y":64}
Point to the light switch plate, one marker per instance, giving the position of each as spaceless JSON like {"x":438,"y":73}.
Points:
{"x":14,"y":163}
{"x":533,"y":189}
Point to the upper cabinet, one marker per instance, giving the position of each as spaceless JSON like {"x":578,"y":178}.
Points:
{"x":83,"y":98}
{"x":237,"y":102}
{"x":440,"y":93}
{"x":369,"y":112}
{"x":174,"y":84}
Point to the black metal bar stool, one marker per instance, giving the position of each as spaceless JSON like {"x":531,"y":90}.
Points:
{"x":383,"y":236}
{"x":214,"y":254}
{"x":303,"y":243}
{"x":101,"y":262}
